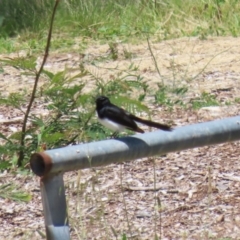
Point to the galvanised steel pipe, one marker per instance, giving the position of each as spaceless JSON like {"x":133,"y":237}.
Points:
{"x":55,"y":207}
{"x":105,"y":152}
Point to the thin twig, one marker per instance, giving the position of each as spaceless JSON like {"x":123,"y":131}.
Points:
{"x":151,"y":188}
{"x":206,"y":65}
{"x":155,"y":61}
{"x":38,"y":73}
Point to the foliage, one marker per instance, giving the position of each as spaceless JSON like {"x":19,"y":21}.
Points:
{"x":71,"y":109}
{"x":206,"y":100}
{"x":170,"y":96}
{"x":9,"y":191}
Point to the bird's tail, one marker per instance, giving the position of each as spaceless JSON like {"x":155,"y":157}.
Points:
{"x":149,"y":123}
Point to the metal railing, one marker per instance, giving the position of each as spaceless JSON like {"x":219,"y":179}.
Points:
{"x":51,"y":165}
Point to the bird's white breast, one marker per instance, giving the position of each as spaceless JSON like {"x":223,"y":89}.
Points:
{"x":111,"y":125}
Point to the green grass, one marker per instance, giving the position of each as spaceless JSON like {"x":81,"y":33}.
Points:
{"x":10,"y":191}
{"x":206,"y":100}
{"x":108,"y":20}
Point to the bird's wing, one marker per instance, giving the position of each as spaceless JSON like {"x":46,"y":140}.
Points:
{"x":121,"y":117}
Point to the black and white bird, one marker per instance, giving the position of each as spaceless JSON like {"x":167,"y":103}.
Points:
{"x":117,"y":119}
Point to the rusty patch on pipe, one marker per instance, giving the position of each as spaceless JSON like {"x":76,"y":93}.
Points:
{"x":41,"y":164}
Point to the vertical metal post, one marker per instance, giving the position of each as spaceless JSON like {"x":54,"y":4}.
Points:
{"x":55,"y":207}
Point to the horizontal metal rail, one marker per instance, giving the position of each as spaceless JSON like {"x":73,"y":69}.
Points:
{"x":50,"y":165}
{"x":105,"y":152}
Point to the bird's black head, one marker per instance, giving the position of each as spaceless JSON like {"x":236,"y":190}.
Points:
{"x":101,"y":101}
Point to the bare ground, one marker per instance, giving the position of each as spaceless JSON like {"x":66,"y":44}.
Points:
{"x":197,"y":193}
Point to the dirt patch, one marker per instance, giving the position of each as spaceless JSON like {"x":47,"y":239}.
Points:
{"x":198,"y":189}
{"x":180,"y":60}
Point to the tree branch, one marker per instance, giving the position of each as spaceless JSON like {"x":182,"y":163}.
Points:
{"x":38,"y":73}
